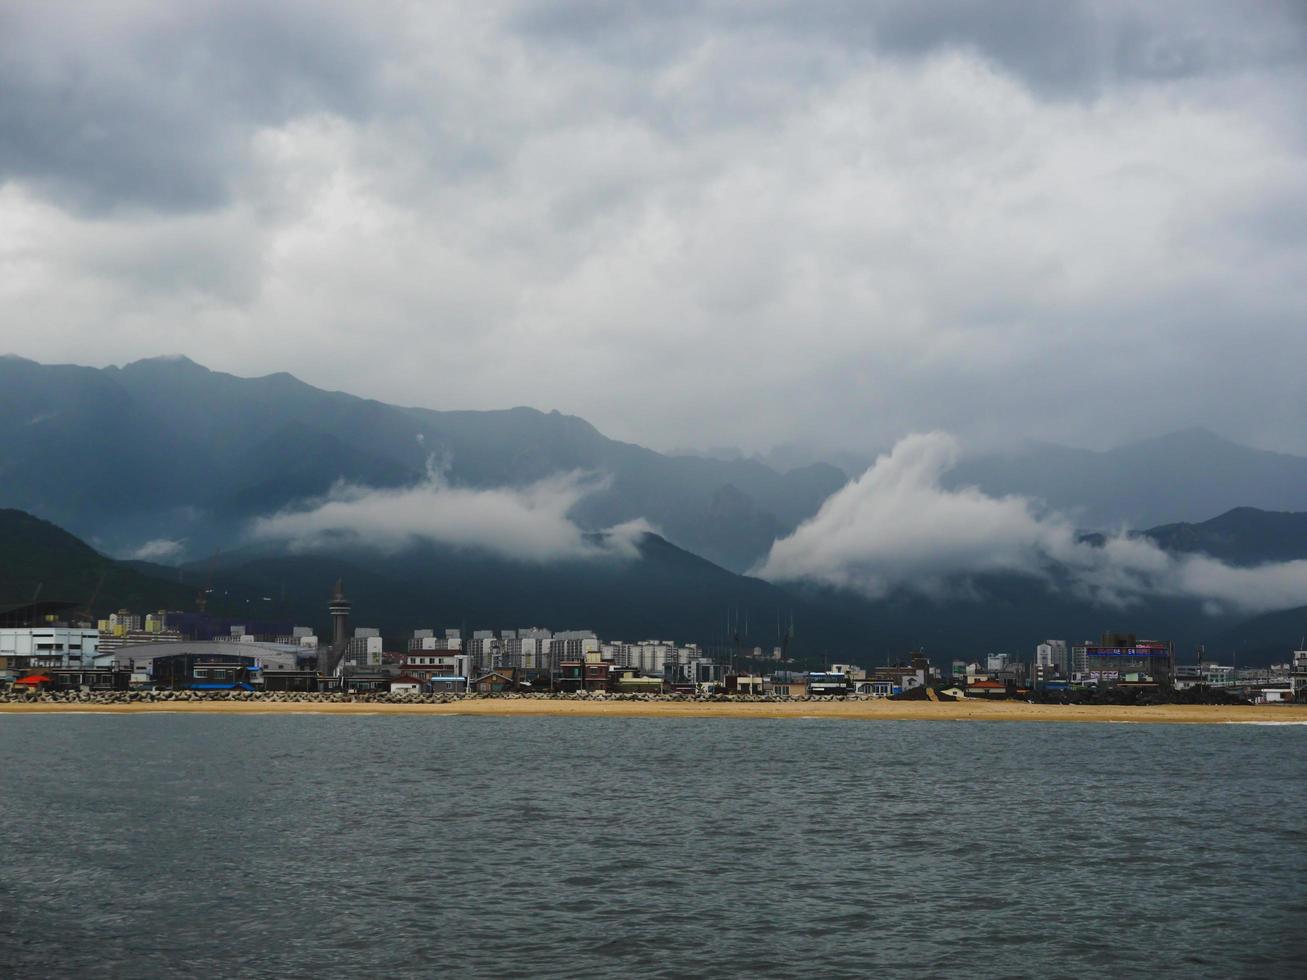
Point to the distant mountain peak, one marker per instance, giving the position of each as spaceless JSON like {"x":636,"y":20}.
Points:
{"x":1193,"y":437}
{"x":164,"y":359}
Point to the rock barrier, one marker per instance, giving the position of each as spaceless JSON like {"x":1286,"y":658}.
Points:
{"x":340,"y":697}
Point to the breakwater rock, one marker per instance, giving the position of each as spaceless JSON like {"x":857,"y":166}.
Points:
{"x":341,"y":697}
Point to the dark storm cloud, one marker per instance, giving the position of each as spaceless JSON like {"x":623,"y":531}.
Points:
{"x":1064,"y":49}
{"x":157,"y":109}
{"x":1075,"y":47}
{"x":693,"y":223}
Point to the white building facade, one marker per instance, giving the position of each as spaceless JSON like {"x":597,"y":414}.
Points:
{"x":47,"y":646}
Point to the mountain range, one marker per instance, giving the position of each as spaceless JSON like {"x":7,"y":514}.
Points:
{"x":167,"y":454}
{"x":167,"y":449}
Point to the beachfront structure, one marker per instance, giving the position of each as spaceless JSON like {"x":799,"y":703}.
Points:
{"x":1204,"y":675}
{"x":150,"y":662}
{"x":1117,"y":655}
{"x":1298,"y":675}
{"x":447,"y":669}
{"x":405,"y":684}
{"x":23,"y":648}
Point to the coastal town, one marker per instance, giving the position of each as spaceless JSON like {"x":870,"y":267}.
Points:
{"x":46,"y":649}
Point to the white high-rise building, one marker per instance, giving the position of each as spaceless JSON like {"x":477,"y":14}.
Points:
{"x":525,"y":649}
{"x":428,"y":640}
{"x":651,"y":657}
{"x":1052,"y":653}
{"x":365,"y":648}
{"x":123,"y":621}
{"x":483,"y":651}
{"x":572,"y":645}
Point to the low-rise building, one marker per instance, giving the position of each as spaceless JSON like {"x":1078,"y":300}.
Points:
{"x":744,"y":684}
{"x":207,"y":671}
{"x":431,"y":664}
{"x":498,"y":681}
{"x":1298,"y":675}
{"x":827,"y":683}
{"x":365,"y":681}
{"x":875,"y":688}
{"x":406,"y":684}
{"x":786,"y":684}
{"x":27,"y":647}
{"x":627,"y":680}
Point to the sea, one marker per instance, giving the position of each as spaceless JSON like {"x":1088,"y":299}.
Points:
{"x":197,"y":845}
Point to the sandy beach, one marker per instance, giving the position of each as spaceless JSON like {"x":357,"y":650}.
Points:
{"x":970,"y":710}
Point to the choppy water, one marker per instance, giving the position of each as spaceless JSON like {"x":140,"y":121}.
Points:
{"x":201,"y":845}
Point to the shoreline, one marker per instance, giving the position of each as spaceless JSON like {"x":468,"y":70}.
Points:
{"x":878,"y":710}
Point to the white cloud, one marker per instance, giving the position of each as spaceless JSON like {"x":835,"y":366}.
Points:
{"x":527,"y":524}
{"x":159,"y":549}
{"x":895,"y":527}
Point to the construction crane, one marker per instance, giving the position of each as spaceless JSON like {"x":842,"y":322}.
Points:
{"x":786,"y":637}
{"x":738,"y":639}
{"x":85,"y":614}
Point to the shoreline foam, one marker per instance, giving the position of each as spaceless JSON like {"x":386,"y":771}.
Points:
{"x":969,"y":710}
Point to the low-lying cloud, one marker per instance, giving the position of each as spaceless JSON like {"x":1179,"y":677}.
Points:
{"x":896,"y":527}
{"x":159,"y":549}
{"x":528,"y":523}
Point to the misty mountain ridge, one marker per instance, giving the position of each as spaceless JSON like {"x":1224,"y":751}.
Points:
{"x":182,"y":452}
{"x":1184,"y":476}
{"x":658,"y":591}
{"x":165,"y":450}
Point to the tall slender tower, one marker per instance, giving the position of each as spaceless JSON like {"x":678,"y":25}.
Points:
{"x":339,"y":607}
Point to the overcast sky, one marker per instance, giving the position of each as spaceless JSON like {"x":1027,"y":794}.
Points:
{"x":694,"y":224}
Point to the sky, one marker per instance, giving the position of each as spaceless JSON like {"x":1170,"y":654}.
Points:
{"x":694,"y":224}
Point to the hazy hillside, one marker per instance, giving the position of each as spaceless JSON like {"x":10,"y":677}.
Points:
{"x":165,"y":448}
{"x":670,"y":593}
{"x":1269,"y":638}
{"x":1243,"y":536}
{"x":35,"y":554}
{"x":665,"y":593}
{"x":1184,"y":476}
